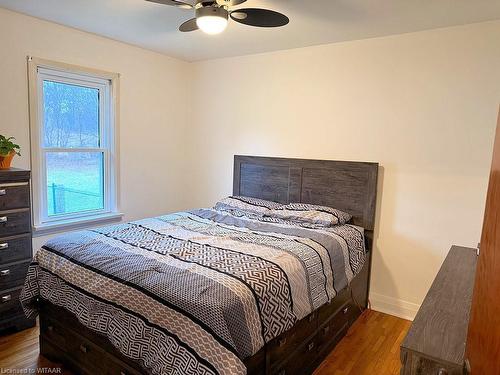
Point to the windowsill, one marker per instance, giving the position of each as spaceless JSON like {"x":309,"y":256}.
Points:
{"x":75,"y":223}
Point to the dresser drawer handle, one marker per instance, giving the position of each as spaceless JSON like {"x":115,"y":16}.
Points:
{"x":326,"y":330}
{"x":310,"y":346}
{"x":4,"y":246}
{"x":442,"y":371}
{"x":282,"y":342}
{"x":5,"y":272}
{"x":345,"y":310}
{"x":83,"y":348}
{"x":3,"y":191}
{"x":6,"y":298}
{"x":50,"y":329}
{"x":3,"y":219}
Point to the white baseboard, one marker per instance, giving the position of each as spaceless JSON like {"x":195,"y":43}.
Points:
{"x":393,"y":306}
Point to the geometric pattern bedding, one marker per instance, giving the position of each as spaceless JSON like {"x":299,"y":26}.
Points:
{"x":194,"y":292}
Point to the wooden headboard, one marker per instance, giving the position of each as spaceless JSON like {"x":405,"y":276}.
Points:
{"x":346,"y":185}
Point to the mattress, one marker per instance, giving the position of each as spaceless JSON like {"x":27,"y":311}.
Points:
{"x":199,"y":290}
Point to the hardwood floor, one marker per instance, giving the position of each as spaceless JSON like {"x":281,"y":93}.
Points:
{"x":371,"y":347}
{"x":20,"y":351}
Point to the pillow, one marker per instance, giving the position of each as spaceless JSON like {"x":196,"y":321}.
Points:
{"x":312,"y":214}
{"x":241,"y":203}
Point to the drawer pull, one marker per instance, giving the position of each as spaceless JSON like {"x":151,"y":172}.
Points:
{"x":282,"y":341}
{"x":50,"y":329}
{"x":6,"y":298}
{"x":442,"y":371}
{"x":326,"y":330}
{"x":83,"y":348}
{"x":4,"y":246}
{"x":3,"y":219}
{"x":3,"y":191}
{"x":310,"y":346}
{"x":345,"y":310}
{"x":282,"y":372}
{"x":5,"y":272}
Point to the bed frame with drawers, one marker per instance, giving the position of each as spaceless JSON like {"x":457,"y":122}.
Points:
{"x":350,"y":186}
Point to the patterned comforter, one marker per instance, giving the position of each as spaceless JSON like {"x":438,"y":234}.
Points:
{"x":194,"y":292}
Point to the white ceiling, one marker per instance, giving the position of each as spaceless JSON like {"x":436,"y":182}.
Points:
{"x":312,"y":22}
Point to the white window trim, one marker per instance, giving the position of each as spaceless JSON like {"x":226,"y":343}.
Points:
{"x":109,"y":136}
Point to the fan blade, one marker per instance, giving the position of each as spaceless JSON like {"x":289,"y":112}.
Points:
{"x":230,"y":3}
{"x":175,"y":3}
{"x":189,"y":25}
{"x":259,"y":17}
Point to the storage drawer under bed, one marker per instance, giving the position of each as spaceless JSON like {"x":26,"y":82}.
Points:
{"x":313,"y":337}
{"x":289,"y":341}
{"x":86,"y":356}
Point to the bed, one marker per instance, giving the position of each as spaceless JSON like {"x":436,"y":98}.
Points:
{"x":213,"y":291}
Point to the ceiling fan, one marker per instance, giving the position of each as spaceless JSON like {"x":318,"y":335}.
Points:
{"x":211,"y":16}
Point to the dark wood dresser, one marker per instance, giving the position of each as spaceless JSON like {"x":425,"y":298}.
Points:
{"x":435,"y":343}
{"x":15,"y":246}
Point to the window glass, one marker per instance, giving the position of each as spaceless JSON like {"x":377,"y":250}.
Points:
{"x":75,"y":182}
{"x":70,"y":115}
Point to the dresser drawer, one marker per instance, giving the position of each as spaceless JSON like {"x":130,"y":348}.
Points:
{"x":15,"y":222}
{"x":13,"y":274}
{"x":9,"y":303}
{"x":14,"y":195}
{"x":15,"y":248}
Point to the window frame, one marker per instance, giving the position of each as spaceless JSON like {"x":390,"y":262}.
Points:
{"x":107,"y":84}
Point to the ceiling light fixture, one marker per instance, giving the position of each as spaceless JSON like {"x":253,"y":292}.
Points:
{"x":212,"y":16}
{"x":212,"y":20}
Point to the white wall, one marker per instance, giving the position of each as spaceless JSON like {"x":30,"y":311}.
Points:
{"x":153,"y":106}
{"x":423,"y":105}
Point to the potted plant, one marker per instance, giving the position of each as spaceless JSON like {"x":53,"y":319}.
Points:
{"x":7,"y":151}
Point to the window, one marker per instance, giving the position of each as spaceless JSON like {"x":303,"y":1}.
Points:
{"x":73,"y":131}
